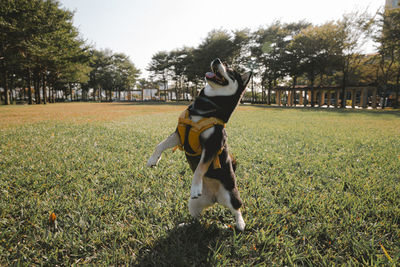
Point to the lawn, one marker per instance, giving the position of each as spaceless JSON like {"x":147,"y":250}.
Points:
{"x":320,"y":187}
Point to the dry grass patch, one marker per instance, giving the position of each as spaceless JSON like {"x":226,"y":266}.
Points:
{"x":78,"y":112}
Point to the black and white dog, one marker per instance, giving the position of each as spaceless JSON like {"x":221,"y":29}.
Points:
{"x":222,"y":93}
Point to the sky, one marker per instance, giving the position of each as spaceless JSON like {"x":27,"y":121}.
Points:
{"x":141,"y":28}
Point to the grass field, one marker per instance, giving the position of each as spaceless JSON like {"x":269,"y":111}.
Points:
{"x":320,"y":187}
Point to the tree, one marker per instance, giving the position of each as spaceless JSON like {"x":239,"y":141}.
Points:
{"x":159,"y":67}
{"x":352,"y":35}
{"x":318,"y":49}
{"x":241,"y":53}
{"x":388,"y":37}
{"x":38,"y":43}
{"x":179,"y":62}
{"x":15,"y":20}
{"x":111,"y":72}
{"x":125,"y":73}
{"x":271,"y":49}
{"x":98,"y":61}
{"x":193,"y":72}
{"x":217,"y":44}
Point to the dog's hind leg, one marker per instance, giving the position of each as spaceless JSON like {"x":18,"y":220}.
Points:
{"x":207,"y":199}
{"x":197,"y":205}
{"x":231,"y":200}
{"x":171,"y":141}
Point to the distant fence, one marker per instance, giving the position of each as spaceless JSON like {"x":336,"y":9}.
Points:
{"x":360,"y":96}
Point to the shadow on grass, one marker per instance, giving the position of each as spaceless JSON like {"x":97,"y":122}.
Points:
{"x":347,"y":111}
{"x":188,"y":245}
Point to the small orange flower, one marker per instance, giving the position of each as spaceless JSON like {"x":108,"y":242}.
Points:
{"x":52,"y":217}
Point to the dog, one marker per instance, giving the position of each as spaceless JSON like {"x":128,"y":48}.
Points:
{"x":214,"y":178}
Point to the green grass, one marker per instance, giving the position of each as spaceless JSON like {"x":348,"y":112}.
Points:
{"x":320,"y":187}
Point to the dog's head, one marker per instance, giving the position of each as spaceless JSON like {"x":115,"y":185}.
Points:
{"x":222,"y":93}
{"x":224,"y":81}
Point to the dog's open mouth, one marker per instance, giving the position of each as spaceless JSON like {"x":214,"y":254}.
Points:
{"x":216,"y":77}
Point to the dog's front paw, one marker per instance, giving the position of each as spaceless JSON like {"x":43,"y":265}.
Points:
{"x":196,"y":190}
{"x":240,"y":225}
{"x":153,"y":160}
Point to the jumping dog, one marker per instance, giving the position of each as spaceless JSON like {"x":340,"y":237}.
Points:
{"x":201,"y":134}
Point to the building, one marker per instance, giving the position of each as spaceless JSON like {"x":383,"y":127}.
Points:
{"x":391,"y":4}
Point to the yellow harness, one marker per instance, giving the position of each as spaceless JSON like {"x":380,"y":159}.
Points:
{"x":195,"y":129}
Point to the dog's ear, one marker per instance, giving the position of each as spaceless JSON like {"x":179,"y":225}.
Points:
{"x":246,"y":78}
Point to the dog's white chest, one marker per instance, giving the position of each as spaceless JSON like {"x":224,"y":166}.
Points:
{"x":221,"y":91}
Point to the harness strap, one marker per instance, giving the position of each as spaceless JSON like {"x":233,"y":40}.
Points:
{"x":189,"y":134}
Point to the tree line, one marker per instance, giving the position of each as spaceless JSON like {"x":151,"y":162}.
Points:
{"x":42,"y":56}
{"x":290,"y":54}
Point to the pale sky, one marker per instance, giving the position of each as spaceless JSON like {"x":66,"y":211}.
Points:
{"x":141,"y":28}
